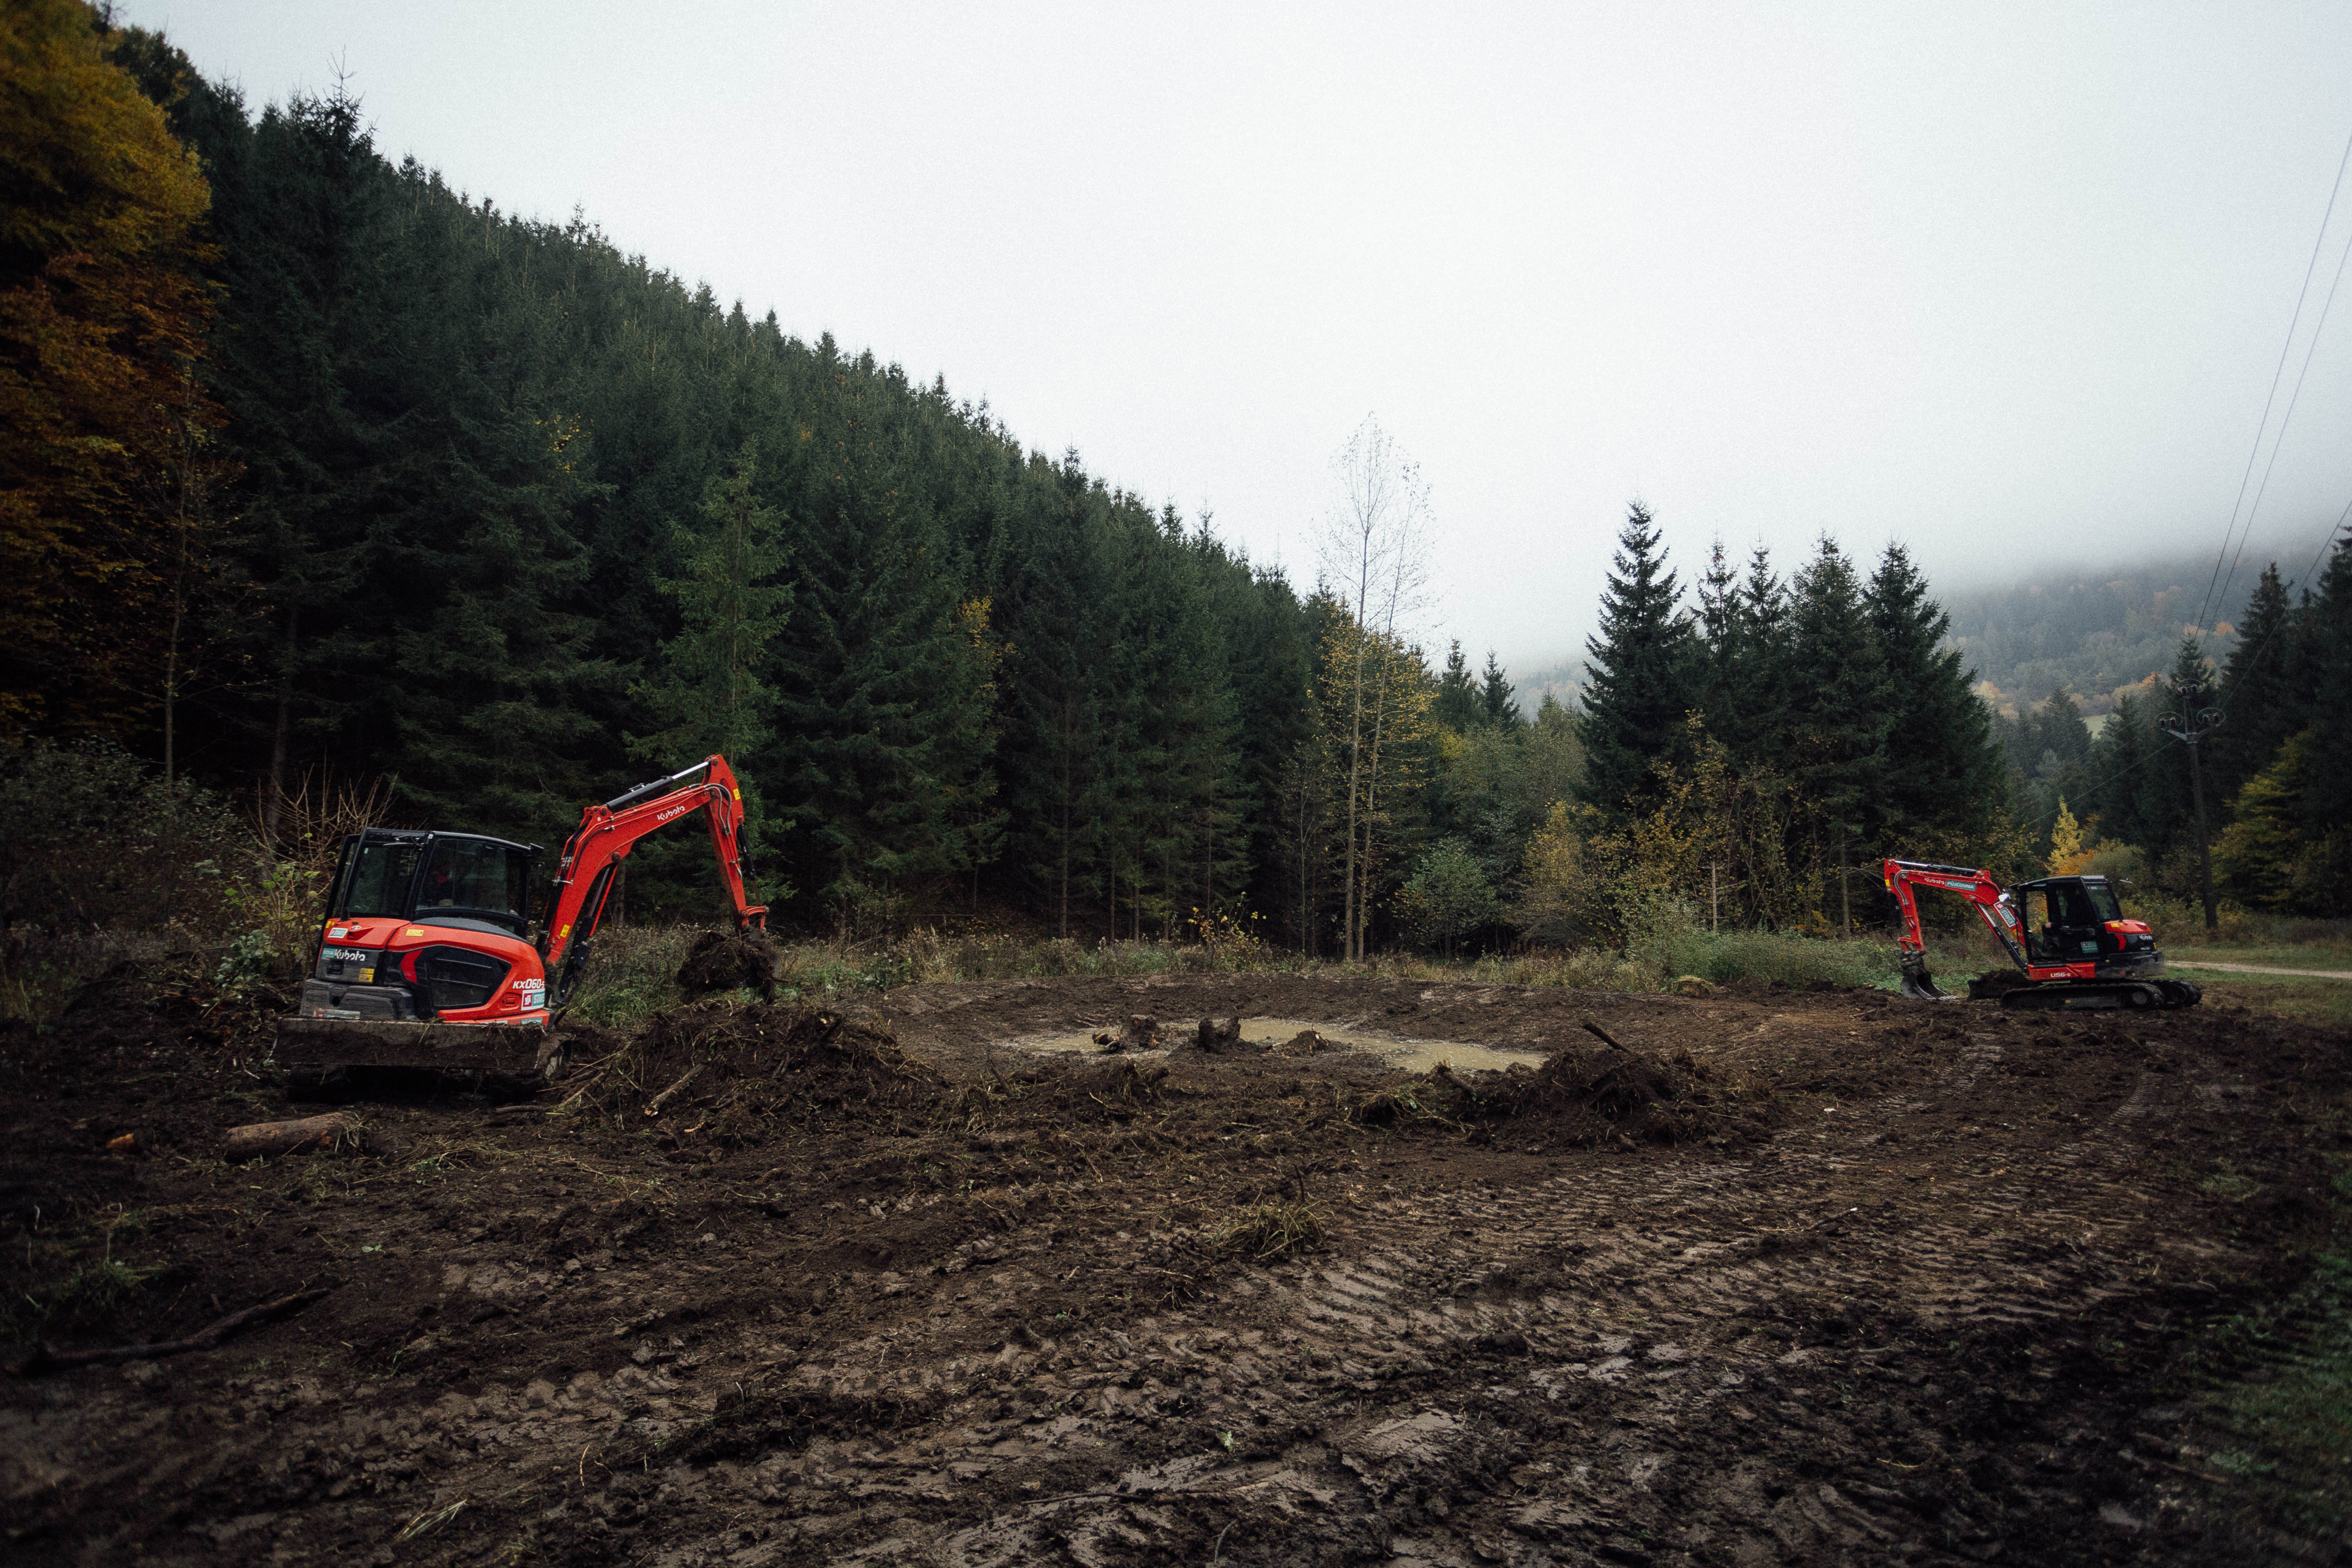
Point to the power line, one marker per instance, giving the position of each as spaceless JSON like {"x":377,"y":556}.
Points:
{"x":2293,"y":321}
{"x":2222,"y":600}
{"x":2309,"y":572}
{"x":2226,"y":692}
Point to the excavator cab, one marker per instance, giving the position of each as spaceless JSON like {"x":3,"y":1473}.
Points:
{"x":2063,"y":920}
{"x":454,"y":879}
{"x":2079,"y":920}
{"x":424,"y":926}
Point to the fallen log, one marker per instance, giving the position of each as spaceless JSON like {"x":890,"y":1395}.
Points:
{"x":47,"y":1359}
{"x":261,"y":1140}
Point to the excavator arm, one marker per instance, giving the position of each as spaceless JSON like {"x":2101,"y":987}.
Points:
{"x":592,"y":854}
{"x":1977,"y":887}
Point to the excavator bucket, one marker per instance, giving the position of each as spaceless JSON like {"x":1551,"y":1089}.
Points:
{"x":1920,"y":986}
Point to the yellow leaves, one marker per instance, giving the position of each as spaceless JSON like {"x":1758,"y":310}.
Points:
{"x":87,"y":167}
{"x":2073,"y":845}
{"x":988,"y":649}
{"x":101,"y":312}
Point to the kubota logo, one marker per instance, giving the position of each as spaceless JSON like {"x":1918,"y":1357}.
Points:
{"x":673,"y":811}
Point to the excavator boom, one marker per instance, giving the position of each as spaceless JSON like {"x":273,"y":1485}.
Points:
{"x":593,"y":856}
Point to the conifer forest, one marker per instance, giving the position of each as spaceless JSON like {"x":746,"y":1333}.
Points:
{"x":320,"y":476}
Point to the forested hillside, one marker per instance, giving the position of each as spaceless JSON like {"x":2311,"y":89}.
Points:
{"x":2275,"y":759}
{"x":484,"y":507}
{"x":2098,"y":634}
{"x":318,"y":473}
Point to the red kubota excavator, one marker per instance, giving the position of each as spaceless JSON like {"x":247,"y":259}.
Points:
{"x":2067,"y":935}
{"x":427,"y":928}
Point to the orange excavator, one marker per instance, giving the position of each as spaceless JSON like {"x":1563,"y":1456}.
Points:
{"x":2067,"y":935}
{"x":429,"y":927}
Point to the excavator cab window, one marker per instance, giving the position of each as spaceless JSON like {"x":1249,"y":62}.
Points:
{"x":379,"y":878}
{"x":2061,"y":923}
{"x":438,"y":879}
{"x":480,"y":878}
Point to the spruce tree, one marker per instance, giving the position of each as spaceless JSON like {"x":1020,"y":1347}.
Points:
{"x":1494,"y":703}
{"x":1720,"y":626}
{"x":1260,"y":625}
{"x":1762,"y":665}
{"x":2188,"y":695}
{"x":876,"y":673}
{"x":1641,"y":669}
{"x":2121,"y":774}
{"x":2256,"y":695}
{"x":2325,"y":679}
{"x":713,"y":694}
{"x":1458,"y":705}
{"x":1842,"y":703}
{"x":1943,"y":767}
{"x":1052,"y":612}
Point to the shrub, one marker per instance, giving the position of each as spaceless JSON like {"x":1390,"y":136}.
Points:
{"x":91,"y":840}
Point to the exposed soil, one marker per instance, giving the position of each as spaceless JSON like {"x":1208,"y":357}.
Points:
{"x":1743,"y":1279}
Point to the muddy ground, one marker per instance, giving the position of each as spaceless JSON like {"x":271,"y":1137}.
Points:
{"x":1802,"y":1278}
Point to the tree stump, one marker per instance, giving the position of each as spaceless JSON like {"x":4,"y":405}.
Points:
{"x":1219,"y":1039}
{"x":1141,"y":1034}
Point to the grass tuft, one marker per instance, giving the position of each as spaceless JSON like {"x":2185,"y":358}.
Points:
{"x":1264,"y":1232}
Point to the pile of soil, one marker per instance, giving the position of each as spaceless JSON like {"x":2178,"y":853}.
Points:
{"x":1585,"y":1095}
{"x":728,"y":961}
{"x":739,"y":1072}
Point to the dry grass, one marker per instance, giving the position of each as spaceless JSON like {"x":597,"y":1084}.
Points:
{"x":1266,"y":1231}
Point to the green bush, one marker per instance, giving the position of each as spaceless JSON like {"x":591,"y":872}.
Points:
{"x":91,"y":840}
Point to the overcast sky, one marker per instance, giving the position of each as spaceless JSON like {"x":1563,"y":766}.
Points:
{"x":2006,"y":283}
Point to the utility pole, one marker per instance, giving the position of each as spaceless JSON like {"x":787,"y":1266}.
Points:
{"x":2195,"y":727}
{"x":1845,"y":897}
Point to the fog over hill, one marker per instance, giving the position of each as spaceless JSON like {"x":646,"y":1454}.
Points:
{"x":2099,"y":630}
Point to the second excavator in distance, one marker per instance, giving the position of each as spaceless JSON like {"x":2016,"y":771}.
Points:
{"x":2067,"y":935}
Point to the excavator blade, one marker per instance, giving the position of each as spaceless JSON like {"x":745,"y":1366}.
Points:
{"x":1920,"y":986}
{"x":517,"y":1049}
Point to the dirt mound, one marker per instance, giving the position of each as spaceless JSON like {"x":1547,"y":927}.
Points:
{"x":732,"y":1073}
{"x":1589,"y":1096}
{"x":728,"y":961}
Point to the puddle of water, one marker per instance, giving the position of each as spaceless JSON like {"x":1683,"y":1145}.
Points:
{"x":1411,"y":1055}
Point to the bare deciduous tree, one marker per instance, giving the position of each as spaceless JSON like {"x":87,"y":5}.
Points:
{"x":1374,"y":555}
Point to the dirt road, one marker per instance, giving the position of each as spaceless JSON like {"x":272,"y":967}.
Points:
{"x":1804,"y":1277}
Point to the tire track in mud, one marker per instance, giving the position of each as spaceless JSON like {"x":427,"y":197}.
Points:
{"x":1642,"y":1285}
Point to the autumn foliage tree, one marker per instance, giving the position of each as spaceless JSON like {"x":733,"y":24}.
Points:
{"x":102,"y":317}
